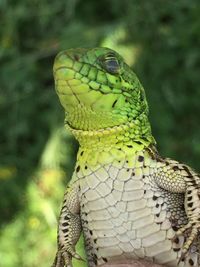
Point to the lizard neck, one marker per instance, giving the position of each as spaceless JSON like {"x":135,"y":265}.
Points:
{"x":136,"y":131}
{"x":117,"y":143}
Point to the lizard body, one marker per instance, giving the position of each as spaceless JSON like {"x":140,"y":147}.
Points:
{"x":129,"y":201}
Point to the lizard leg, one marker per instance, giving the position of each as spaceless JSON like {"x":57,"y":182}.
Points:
{"x":69,"y":229}
{"x":184,"y":180}
{"x":192,"y":207}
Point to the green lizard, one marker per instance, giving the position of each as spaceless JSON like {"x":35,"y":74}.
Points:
{"x":129,"y":201}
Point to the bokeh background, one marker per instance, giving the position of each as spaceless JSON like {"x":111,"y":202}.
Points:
{"x":159,"y":39}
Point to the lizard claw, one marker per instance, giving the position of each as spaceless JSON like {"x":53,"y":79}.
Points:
{"x":192,"y":235}
{"x":194,"y":228}
{"x":78,"y":257}
{"x":183,"y":256}
{"x":64,"y":257}
{"x":73,"y":253}
{"x":58,"y":261}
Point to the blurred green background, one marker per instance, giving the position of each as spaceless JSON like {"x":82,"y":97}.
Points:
{"x":159,"y":39}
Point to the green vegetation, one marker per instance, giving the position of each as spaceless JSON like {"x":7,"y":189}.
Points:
{"x":160,"y":39}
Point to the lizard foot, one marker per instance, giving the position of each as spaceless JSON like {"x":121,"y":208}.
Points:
{"x":193,"y":228}
{"x":64,"y":257}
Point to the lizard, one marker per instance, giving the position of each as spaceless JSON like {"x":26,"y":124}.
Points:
{"x":129,"y":202}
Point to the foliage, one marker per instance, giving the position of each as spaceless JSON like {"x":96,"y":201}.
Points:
{"x":159,"y":38}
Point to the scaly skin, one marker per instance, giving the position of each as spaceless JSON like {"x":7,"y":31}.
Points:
{"x":130,"y":202}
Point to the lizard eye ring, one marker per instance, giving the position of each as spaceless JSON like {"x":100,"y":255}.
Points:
{"x":111,"y":64}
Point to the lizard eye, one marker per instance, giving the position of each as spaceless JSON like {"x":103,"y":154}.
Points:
{"x":111,"y":64}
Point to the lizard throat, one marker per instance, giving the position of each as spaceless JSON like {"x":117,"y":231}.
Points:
{"x":106,"y":137}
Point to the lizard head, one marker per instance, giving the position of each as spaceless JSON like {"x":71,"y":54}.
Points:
{"x":98,"y":89}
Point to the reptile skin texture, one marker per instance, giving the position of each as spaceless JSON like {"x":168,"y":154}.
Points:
{"x":129,"y":202}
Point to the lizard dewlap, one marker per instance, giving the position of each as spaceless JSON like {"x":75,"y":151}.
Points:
{"x":129,"y":202}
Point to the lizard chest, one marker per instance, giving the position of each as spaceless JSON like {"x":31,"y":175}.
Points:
{"x":124,"y":213}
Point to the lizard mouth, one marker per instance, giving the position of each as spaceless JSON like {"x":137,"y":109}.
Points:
{"x":72,"y":68}
{"x":89,"y":103}
{"x":68,"y":88}
{"x":92,"y":97}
